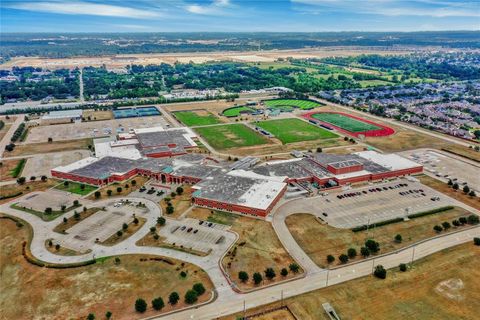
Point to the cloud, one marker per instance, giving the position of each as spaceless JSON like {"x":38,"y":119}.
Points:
{"x":430,"y":8}
{"x":85,"y":8}
{"x":214,"y":8}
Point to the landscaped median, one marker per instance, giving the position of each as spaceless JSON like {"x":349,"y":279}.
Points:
{"x":328,"y":246}
{"x":48,"y":214}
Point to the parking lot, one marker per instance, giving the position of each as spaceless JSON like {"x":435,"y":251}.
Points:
{"x":193,"y":234}
{"x":374,"y":203}
{"x":51,"y":198}
{"x":445,"y":167}
{"x":92,"y":129}
{"x":40,"y":165}
{"x":101,"y":225}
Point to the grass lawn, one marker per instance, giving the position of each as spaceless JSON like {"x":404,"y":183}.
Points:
{"x":11,"y":169}
{"x":294,"y":130}
{"x":75,"y":187}
{"x":319,"y":240}
{"x":231,"y":136}
{"x":344,"y":122}
{"x":98,"y":288}
{"x":427,"y":291}
{"x":139,"y":182}
{"x":257,"y":248}
{"x":302,"y":104}
{"x":236,"y":111}
{"x":196,"y":118}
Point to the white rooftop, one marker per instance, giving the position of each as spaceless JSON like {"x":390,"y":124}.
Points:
{"x":390,"y":161}
{"x":70,"y":113}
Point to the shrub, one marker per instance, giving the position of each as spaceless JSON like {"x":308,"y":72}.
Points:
{"x":199,"y":288}
{"x":364,"y":252}
{"x":466,"y":189}
{"x":372,"y":245}
{"x":179,"y":190}
{"x":140,"y":305}
{"x":446,"y":225}
{"x":76,"y":203}
{"x":456,"y":223}
{"x":380,"y":272}
{"x":472,"y":193}
{"x":191,"y":297}
{"x":398,"y":238}
{"x":109,"y":192}
{"x":136,"y":221}
{"x":257,"y":278}
{"x":125,"y":226}
{"x":48,"y":210}
{"x":161,"y":221}
{"x":243,"y":276}
{"x":57,"y":247}
{"x":91,"y":316}
{"x":183,"y":274}
{"x":403,"y":267}
{"x":343,"y":258}
{"x":473,"y":219}
{"x":158,"y":303}
{"x":117,"y":260}
{"x":119,"y":233}
{"x":438,"y":228}
{"x":352,"y":253}
{"x":284,"y":272}
{"x":153,"y":229}
{"x":476,"y":241}
{"x":270,"y":273}
{"x":330,"y":258}
{"x":428,"y":212}
{"x":462,"y":220}
{"x":173,"y":298}
{"x":108,"y":314}
{"x":170,"y":209}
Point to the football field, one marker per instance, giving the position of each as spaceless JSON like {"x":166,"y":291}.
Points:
{"x":294,"y":130}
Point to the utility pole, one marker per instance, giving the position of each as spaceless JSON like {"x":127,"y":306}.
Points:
{"x":281,"y":299}
{"x":413,"y":255}
{"x":244,"y":311}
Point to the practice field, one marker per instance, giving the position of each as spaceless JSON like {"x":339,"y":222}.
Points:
{"x":237,"y":111}
{"x":294,"y":130}
{"x":231,"y":136}
{"x":196,"y":118}
{"x":350,"y":124}
{"x":295,"y":103}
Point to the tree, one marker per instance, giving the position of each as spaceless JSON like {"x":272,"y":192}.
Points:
{"x":257,"y":277}
{"x":364,"y":252}
{"x":270,"y":273}
{"x":462,"y":220}
{"x":330,"y":258}
{"x":124,"y":226}
{"x":63,"y":208}
{"x":199,"y":288}
{"x":450,"y":182}
{"x":161,"y":221}
{"x":76,"y":215}
{"x":372,"y":245}
{"x":352,"y":253}
{"x":191,"y":297}
{"x":472,"y":193}
{"x":466,"y":189}
{"x":243,"y":276}
{"x":134,"y":183}
{"x":438,"y":228}
{"x":109,"y":192}
{"x":455,"y":186}
{"x":48,"y":210}
{"x":179,"y":190}
{"x":65,"y":220}
{"x":173,"y":298}
{"x":108,"y":314}
{"x":82,"y":187}
{"x":183,"y":274}
{"x":136,"y":221}
{"x":294,"y":267}
{"x":153,"y":229}
{"x":140,"y":305}
{"x":119,"y":189}
{"x":343,"y":258}
{"x":65,"y":183}
{"x":119,"y":233}
{"x":91,"y":316}
{"x":76,"y":203}
{"x":117,"y":260}
{"x":43,"y":178}
{"x":21,"y":180}
{"x":319,"y":150}
{"x":476,"y":241}
{"x":170,"y":209}
{"x":398,"y":238}
{"x":403,"y":267}
{"x":50,"y":140}
{"x":446,"y":225}
{"x":57,"y":247}
{"x":284,"y":272}
{"x":158,"y":303}
{"x":380,"y":272}
{"x":98,"y":194}
{"x":473,"y":219}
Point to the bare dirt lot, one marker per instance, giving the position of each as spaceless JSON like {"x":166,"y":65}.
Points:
{"x":7,"y":168}
{"x":74,"y":293}
{"x":42,"y":165}
{"x":45,"y":147}
{"x":12,"y":191}
{"x":435,"y":288}
{"x":119,"y":61}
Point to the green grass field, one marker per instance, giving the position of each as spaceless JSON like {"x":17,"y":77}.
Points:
{"x":294,"y":130}
{"x":235,"y":111}
{"x":192,"y":118}
{"x":302,"y":104}
{"x":231,"y":136}
{"x":345,"y":122}
{"x":75,"y":187}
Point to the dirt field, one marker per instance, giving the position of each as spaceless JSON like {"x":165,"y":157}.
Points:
{"x":257,"y":248}
{"x":442,"y":286}
{"x":444,"y":188}
{"x":119,"y":61}
{"x":5,"y":129}
{"x":42,"y":164}
{"x":180,"y":202}
{"x":92,"y":115}
{"x":463,"y":151}
{"x":319,"y":240}
{"x":15,"y":190}
{"x":282,"y":314}
{"x":76,"y":292}
{"x":45,"y":147}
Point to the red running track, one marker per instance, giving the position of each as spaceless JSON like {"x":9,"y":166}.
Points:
{"x":383,"y":132}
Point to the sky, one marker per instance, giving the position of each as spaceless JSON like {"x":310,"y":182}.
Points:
{"x":237,"y":15}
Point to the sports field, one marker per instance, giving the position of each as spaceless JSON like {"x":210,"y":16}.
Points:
{"x":196,"y":118}
{"x":344,"y":122}
{"x":231,"y":136}
{"x":294,"y":130}
{"x":236,"y":111}
{"x":295,"y":103}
